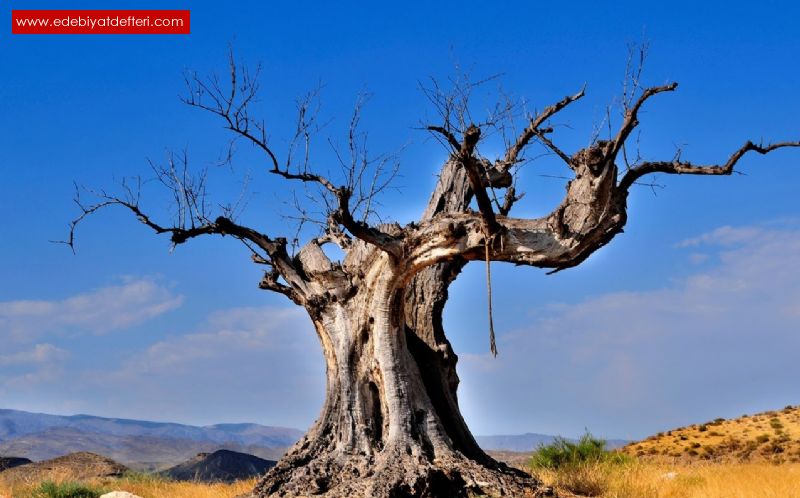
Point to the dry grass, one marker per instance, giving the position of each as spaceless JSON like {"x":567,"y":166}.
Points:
{"x":164,"y":489}
{"x":770,"y":436}
{"x":636,"y":480}
{"x":633,"y":480}
{"x":702,"y":480}
{"x":147,"y":487}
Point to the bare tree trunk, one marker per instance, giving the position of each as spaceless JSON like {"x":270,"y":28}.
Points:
{"x":425,"y":298}
{"x":390,"y":425}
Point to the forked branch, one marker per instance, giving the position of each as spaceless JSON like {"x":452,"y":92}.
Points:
{"x":535,"y":129}
{"x":631,"y":119}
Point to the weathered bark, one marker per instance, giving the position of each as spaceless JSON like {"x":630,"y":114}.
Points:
{"x":381,"y":432}
{"x":425,"y":298}
{"x":390,"y":425}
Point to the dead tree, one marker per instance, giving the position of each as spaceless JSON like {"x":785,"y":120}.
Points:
{"x":390,"y":425}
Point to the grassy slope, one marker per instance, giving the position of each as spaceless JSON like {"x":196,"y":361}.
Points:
{"x":772,"y":436}
{"x":683,"y":480}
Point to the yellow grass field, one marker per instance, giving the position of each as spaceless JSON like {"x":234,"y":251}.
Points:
{"x":150,"y":488}
{"x":634,"y":480}
{"x":652,"y":480}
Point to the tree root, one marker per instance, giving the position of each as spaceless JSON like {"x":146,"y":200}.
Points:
{"x":303,"y":473}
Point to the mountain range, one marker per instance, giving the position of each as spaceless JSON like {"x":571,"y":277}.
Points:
{"x":144,"y":445}
{"x":138,"y":444}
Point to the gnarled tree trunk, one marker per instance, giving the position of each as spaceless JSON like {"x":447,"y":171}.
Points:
{"x":391,"y":424}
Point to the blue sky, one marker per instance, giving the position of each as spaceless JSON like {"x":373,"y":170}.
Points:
{"x":691,"y":314}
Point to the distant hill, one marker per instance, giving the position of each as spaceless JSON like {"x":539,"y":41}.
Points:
{"x":11,"y":462}
{"x":220,"y":466}
{"x":137,"y":452}
{"x":141,"y":445}
{"x":529,"y":442}
{"x":769,"y":436}
{"x":73,"y":467}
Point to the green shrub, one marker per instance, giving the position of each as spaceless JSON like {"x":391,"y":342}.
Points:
{"x":561,"y":453}
{"x":64,"y":490}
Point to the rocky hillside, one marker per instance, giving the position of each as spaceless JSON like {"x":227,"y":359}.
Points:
{"x":770,"y":436}
{"x":73,"y":467}
{"x":220,"y":466}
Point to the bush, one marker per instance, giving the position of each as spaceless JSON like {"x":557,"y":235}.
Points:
{"x":562,"y":453}
{"x":64,"y":490}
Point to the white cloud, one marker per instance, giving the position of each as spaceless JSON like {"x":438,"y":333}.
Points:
{"x":718,"y":343}
{"x":134,"y":301}
{"x":234,"y":333}
{"x":725,"y":235}
{"x":40,"y":354}
{"x":260,"y":364}
{"x":26,"y":369}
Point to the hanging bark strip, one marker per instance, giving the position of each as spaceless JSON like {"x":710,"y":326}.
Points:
{"x":492,"y":343}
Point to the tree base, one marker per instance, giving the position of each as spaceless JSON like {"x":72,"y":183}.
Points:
{"x":392,"y":474}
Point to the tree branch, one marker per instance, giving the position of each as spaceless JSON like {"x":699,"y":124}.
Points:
{"x":448,"y":136}
{"x":631,"y":120}
{"x":466,"y":155}
{"x":533,"y":129}
{"x":275,"y":249}
{"x":686,"y":168}
{"x":233,"y":108}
